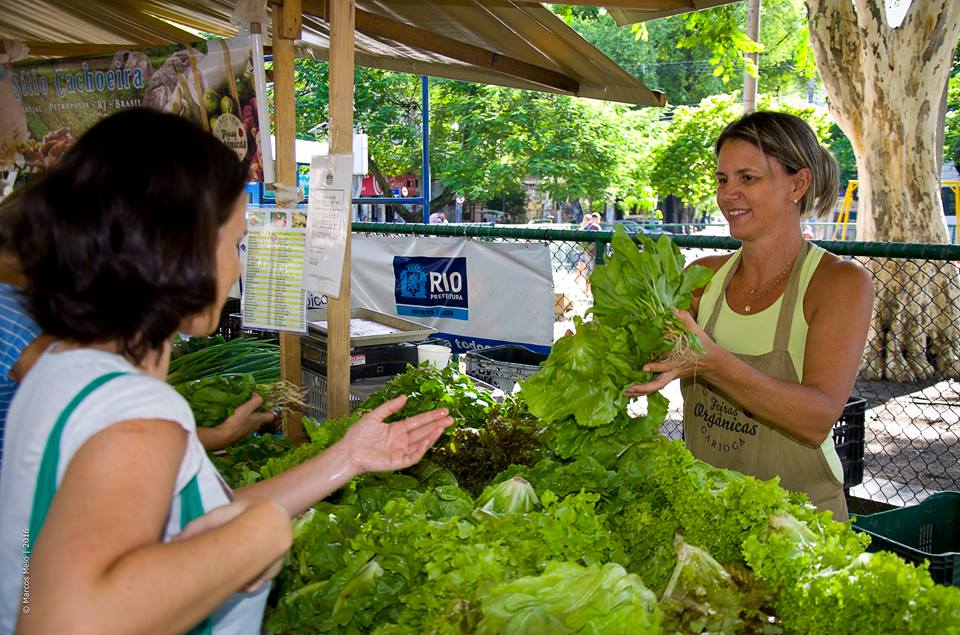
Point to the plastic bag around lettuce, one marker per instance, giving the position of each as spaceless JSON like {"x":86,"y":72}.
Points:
{"x":570,"y":598}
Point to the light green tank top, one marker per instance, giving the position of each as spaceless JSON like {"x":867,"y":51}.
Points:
{"x":753,"y":334}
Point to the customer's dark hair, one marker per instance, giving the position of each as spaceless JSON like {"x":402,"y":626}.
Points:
{"x":117,"y":240}
{"x":792,"y":142}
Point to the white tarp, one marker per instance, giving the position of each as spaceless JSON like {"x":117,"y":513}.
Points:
{"x":476,"y":294}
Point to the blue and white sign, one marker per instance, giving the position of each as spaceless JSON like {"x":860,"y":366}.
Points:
{"x":477,"y":294}
{"x":426,"y":287}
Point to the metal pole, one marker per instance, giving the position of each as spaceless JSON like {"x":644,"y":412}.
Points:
{"x":425,"y":157}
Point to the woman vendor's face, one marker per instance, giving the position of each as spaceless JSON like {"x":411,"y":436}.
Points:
{"x":228,"y":269}
{"x":754,"y":191}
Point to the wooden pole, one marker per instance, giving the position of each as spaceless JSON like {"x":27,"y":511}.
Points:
{"x":749,"y":81}
{"x":342,"y":23}
{"x":286,"y":28}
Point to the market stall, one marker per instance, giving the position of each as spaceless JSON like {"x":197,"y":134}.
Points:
{"x":554,"y":510}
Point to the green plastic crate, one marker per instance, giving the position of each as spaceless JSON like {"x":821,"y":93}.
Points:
{"x":927,"y":531}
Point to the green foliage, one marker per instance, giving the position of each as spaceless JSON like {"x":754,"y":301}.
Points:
{"x":786,"y":57}
{"x":636,"y":293}
{"x":427,"y":388}
{"x":685,"y":161}
{"x":486,"y":139}
{"x":951,"y":140}
{"x":386,"y":107}
{"x":843,"y":152}
{"x":651,"y":54}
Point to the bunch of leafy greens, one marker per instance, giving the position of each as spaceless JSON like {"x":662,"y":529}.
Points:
{"x":213,"y":399}
{"x":427,"y":388}
{"x":826,"y":583}
{"x":702,"y":597}
{"x":635,"y":296}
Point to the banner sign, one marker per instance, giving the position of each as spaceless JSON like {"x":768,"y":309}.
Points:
{"x":427,"y":287}
{"x":477,"y":294}
{"x":46,"y":105}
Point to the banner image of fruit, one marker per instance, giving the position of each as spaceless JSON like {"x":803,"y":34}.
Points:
{"x":45,"y":106}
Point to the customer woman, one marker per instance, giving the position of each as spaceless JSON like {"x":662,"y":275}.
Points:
{"x":114,"y":521}
{"x":783,"y":322}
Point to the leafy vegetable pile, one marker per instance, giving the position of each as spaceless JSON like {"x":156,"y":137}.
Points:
{"x":600,"y":525}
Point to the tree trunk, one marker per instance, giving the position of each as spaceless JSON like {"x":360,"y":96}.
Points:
{"x":886,"y":88}
{"x":385,"y":186}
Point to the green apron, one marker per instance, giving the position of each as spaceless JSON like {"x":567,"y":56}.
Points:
{"x":717,"y":430}
{"x":191,"y":504}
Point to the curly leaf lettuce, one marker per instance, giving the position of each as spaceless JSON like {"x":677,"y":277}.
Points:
{"x":570,"y":598}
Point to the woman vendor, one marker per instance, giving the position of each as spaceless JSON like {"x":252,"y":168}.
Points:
{"x":783,"y":322}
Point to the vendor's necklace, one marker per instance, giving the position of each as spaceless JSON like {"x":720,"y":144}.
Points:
{"x":748,"y":307}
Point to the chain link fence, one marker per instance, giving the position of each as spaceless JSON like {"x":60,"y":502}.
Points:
{"x":909,"y":377}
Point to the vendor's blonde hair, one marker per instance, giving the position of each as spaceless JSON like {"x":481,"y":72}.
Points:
{"x":792,"y":142}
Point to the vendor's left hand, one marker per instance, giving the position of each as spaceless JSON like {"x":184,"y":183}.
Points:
{"x":667,"y":371}
{"x":375,"y":446}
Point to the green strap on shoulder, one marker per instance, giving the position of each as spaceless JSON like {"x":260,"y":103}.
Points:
{"x":191,"y":504}
{"x":47,"y":476}
{"x":191,"y":507}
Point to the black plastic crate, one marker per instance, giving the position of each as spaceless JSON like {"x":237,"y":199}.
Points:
{"x":503,"y":366}
{"x":367,"y":361}
{"x":848,"y":438}
{"x":929,"y":531}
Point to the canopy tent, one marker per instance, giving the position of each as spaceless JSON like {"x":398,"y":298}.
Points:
{"x":501,"y":42}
